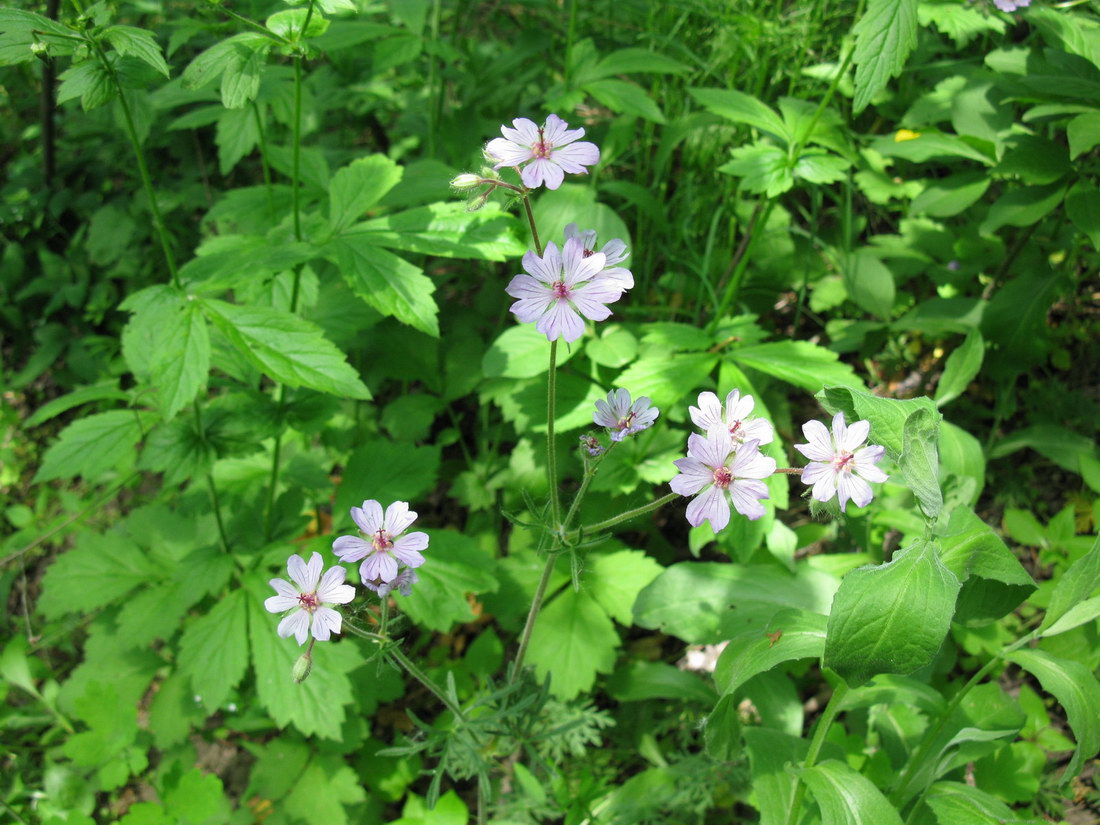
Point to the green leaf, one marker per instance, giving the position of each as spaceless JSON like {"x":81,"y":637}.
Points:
{"x":179,"y":368}
{"x":289,"y":349}
{"x":891,"y":618}
{"x":955,"y":803}
{"x":790,"y":635}
{"x":1023,"y":206}
{"x":709,"y":602}
{"x":961,"y":23}
{"x":1083,"y":208}
{"x":666,"y":378}
{"x":885,"y":35}
{"x":1081,"y":613}
{"x":821,"y":167}
{"x":573,"y":641}
{"x":576,"y":203}
{"x":87,"y":80}
{"x":448,"y":230}
{"x":138,"y":43}
{"x":930,"y":144}
{"x":628,"y":98}
{"x":801,"y":363}
{"x":390,"y":284}
{"x":456,"y":567}
{"x":846,"y":797}
{"x":1076,"y":585}
{"x":385,"y":469}
{"x":1033,"y":160}
{"x":870,"y":283}
{"x":919,"y":462}
{"x":615,"y":579}
{"x":770,"y":753}
{"x":196,"y":799}
{"x":763,"y":168}
{"x":214,"y":650}
{"x":358,"y":186}
{"x":632,"y":61}
{"x":291,"y":24}
{"x":742,"y":108}
{"x":174,"y":711}
{"x":1083,"y":133}
{"x":104,"y":391}
{"x":638,"y":681}
{"x":887,"y":415}
{"x":962,"y":367}
{"x":322,"y":792}
{"x":1015,"y":321}
{"x":209,"y":65}
{"x":240,"y":86}
{"x":1076,"y":688}
{"x":522,"y":352}
{"x":722,"y":731}
{"x":1064,"y":447}
{"x":316,"y":706}
{"x":91,"y":446}
{"x":112,"y":722}
{"x":947,"y":197}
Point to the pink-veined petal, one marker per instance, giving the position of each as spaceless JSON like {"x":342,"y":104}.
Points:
{"x":710,"y":505}
{"x":523,"y":130}
{"x":825,"y":487}
{"x":574,"y":157}
{"x":590,"y":308}
{"x":813,"y":471}
{"x":379,"y":566}
{"x":305,"y":575}
{"x":507,"y":152}
{"x":561,"y":321}
{"x":527,"y":287}
{"x":759,"y":429}
{"x":749,"y":463}
{"x":330,"y":581}
{"x":399,"y":517}
{"x":351,"y":548}
{"x":530,"y":310}
{"x":820,"y":446}
{"x":581,"y":269}
{"x":854,"y":437}
{"x":413,"y":541}
{"x":284,"y":588}
{"x":295,"y":624}
{"x":693,"y":477}
{"x":280,"y":603}
{"x":540,"y":171}
{"x":411,"y":558}
{"x":614,"y":251}
{"x":368,"y":518}
{"x":746,"y":495}
{"x":547,"y":268}
{"x":708,"y":413}
{"x":557,"y":132}
{"x":325,"y":622}
{"x":854,"y":488}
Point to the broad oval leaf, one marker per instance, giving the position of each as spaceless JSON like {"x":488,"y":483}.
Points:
{"x":790,"y":635}
{"x":846,"y":797}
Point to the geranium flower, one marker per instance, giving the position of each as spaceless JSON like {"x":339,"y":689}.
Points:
{"x":623,"y":418}
{"x":309,"y":599}
{"x":403,"y":583}
{"x":736,"y":416}
{"x":614,"y":252}
{"x":559,"y":288}
{"x":1011,"y":5}
{"x":548,"y":150}
{"x":839,"y":463}
{"x":721,"y":476}
{"x":384,"y":545}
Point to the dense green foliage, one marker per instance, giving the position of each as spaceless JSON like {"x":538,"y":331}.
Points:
{"x":238,"y":297}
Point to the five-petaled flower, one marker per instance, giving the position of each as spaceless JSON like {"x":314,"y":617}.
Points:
{"x":840,"y":463}
{"x":614,"y":252}
{"x":621,"y":417}
{"x":384,"y":545}
{"x":721,"y":475}
{"x":309,"y":599}
{"x":736,"y":416}
{"x":560,"y":287}
{"x":548,"y":150}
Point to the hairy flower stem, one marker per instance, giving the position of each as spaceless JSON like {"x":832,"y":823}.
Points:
{"x":532,"y":615}
{"x":143,"y":169}
{"x":394,"y":653}
{"x":629,"y":514}
{"x":922,"y":754}
{"x":551,"y":451}
{"x":818,"y":740}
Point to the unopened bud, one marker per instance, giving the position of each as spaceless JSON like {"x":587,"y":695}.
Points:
{"x":466,"y":181}
{"x":38,"y":47}
{"x":302,"y":667}
{"x":475,"y":203}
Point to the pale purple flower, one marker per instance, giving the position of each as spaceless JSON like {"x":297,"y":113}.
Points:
{"x":403,"y":583}
{"x":548,"y":150}
{"x":839,"y":461}
{"x":736,"y":416}
{"x":384,"y":545}
{"x":720,"y":475}
{"x":591,"y":445}
{"x":623,"y":418}
{"x":559,"y":288}
{"x":614,"y":251}
{"x":1011,"y":5}
{"x":309,"y":598}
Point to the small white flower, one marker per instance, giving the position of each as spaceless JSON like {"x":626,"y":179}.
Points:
{"x":549,"y":151}
{"x":309,"y":598}
{"x":720,"y":476}
{"x":736,"y":416}
{"x":623,"y":418}
{"x":839,"y":463}
{"x":385,"y":545}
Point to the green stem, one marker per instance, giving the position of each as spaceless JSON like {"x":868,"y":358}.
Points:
{"x":394,"y":653}
{"x":551,"y":451}
{"x":733,"y":288}
{"x":11,"y":811}
{"x":254,"y":25}
{"x":531,"y":221}
{"x":296,"y":151}
{"x":217,"y":511}
{"x":629,"y":514}
{"x":915,"y":762}
{"x":263,"y":161}
{"x":146,"y":179}
{"x":816,"y":743}
{"x":532,"y":615}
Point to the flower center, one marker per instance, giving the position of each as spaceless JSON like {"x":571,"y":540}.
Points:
{"x":843,"y":462}
{"x":735,"y":429}
{"x":626,"y":422}
{"x":541,"y":148}
{"x":560,"y":290}
{"x":308,"y":601}
{"x":381,"y":540}
{"x":588,"y":253}
{"x":723,"y":477}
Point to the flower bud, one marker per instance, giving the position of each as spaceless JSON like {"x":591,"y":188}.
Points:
{"x":591,"y":445}
{"x":466,"y":181}
{"x":302,"y":667}
{"x":477,"y":202}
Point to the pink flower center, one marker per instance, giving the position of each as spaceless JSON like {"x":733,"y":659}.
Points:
{"x":843,"y":463}
{"x":723,"y":477}
{"x":308,"y":601}
{"x":542,"y":148}
{"x":381,"y":540}
{"x":735,"y":429}
{"x":588,"y":253}
{"x":560,"y":290}
{"x":627,"y":421}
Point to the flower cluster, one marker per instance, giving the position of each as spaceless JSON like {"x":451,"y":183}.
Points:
{"x":388,"y":555}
